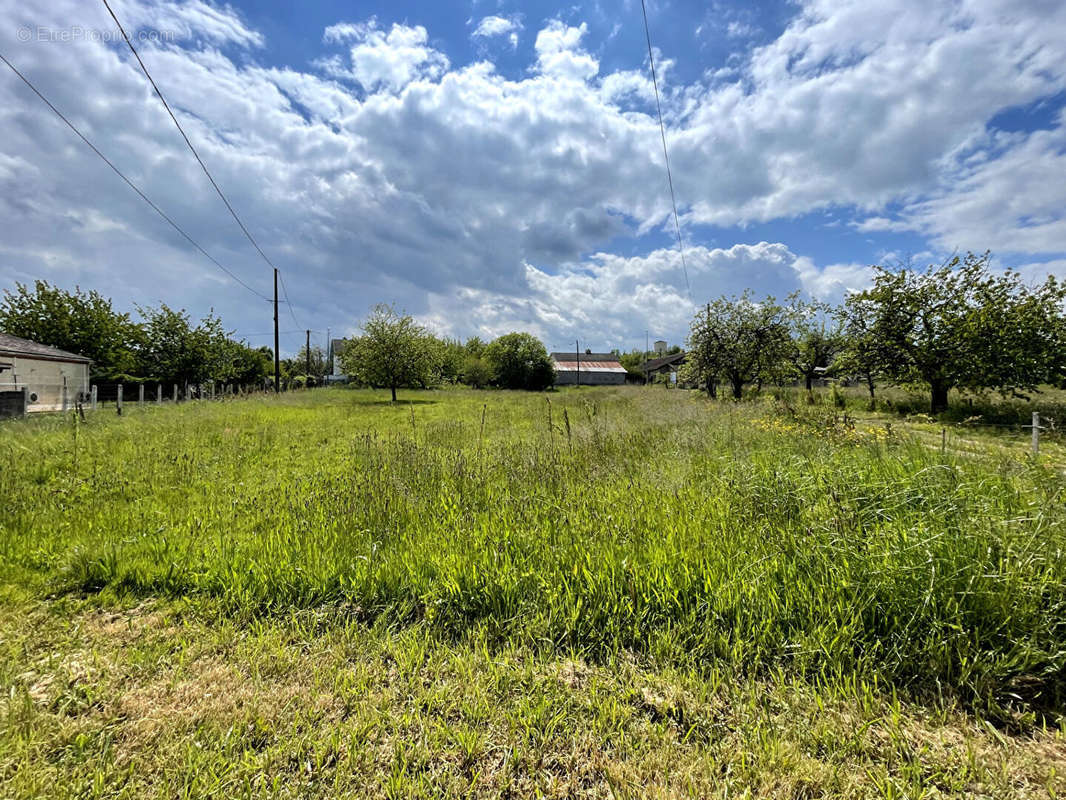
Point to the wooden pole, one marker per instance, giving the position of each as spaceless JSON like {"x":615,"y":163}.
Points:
{"x":118,"y":401}
{"x":92,"y":397}
{"x":1036,"y":433}
{"x":577,"y":352}
{"x":159,"y":394}
{"x":277,"y":356}
{"x":175,"y":393}
{"x":140,"y":396}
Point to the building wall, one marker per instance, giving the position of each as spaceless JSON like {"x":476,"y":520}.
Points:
{"x":590,"y":378}
{"x":45,"y":379}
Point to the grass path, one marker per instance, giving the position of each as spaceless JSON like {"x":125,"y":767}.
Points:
{"x":166,"y":699}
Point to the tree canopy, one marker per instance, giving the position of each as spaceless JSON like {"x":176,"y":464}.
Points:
{"x":163,"y":346}
{"x":960,"y":325}
{"x":739,"y":340}
{"x":520,"y":361}
{"x":393,"y":352}
{"x":78,"y":322}
{"x":816,"y":339}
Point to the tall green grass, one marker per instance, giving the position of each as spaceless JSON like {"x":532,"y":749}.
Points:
{"x":698,"y":534}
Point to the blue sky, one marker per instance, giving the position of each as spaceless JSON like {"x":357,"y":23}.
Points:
{"x":495,"y":166}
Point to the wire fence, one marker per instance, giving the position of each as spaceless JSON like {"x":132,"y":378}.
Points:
{"x":1040,"y":428}
{"x":30,"y":397}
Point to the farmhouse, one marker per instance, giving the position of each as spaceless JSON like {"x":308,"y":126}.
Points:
{"x":53,"y":379}
{"x":664,"y":365}
{"x":588,"y":369}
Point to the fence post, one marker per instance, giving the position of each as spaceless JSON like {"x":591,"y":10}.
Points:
{"x":1036,"y":433}
{"x":65,"y":403}
{"x":943,"y":440}
{"x":175,"y":393}
{"x":140,"y":396}
{"x":25,"y":400}
{"x":186,"y":390}
{"x":92,"y":397}
{"x":118,"y":401}
{"x":159,"y":394}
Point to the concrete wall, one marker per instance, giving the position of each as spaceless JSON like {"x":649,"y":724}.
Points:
{"x":45,"y":379}
{"x":590,"y":378}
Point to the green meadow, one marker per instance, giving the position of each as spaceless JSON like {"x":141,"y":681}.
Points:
{"x":618,"y":592}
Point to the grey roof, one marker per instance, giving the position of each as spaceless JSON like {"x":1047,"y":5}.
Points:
{"x":572,"y":356}
{"x":657,"y":363}
{"x":14,"y":346}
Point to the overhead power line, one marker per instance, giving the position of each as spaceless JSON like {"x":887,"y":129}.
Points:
{"x":666,"y":154}
{"x":285,"y":294}
{"x":128,"y":182}
{"x":200,"y":161}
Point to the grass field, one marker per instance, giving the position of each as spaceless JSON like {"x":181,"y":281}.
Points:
{"x":603,"y":593}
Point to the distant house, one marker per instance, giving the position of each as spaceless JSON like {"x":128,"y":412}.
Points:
{"x":336,"y":372}
{"x":53,"y":379}
{"x":664,"y":365}
{"x":588,"y":369}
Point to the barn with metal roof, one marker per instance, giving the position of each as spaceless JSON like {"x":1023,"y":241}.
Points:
{"x":588,"y":369}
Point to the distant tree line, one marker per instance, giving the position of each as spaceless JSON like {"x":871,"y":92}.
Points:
{"x":164,"y":345}
{"x":394,"y":351}
{"x":957,"y":325}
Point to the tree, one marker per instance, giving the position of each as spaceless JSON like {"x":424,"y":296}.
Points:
{"x":477,"y":372}
{"x":474,"y":347}
{"x":633,"y":361}
{"x":520,"y":361}
{"x":961,"y":326}
{"x":858,"y":354}
{"x":249,"y":365}
{"x":79,"y":322}
{"x":737,"y":339}
{"x":172,"y":350}
{"x":815,"y":339}
{"x":319,"y":362}
{"x":394,"y":351}
{"x":452,"y":357}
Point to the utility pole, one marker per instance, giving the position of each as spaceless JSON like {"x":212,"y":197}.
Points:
{"x":277,"y":356}
{"x":577,"y":351}
{"x":307,"y":350}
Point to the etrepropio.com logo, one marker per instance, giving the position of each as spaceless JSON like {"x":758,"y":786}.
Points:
{"x":76,"y":33}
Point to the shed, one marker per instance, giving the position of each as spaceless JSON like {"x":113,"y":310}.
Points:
{"x":665,"y":365}
{"x":588,"y":369}
{"x":53,"y":379}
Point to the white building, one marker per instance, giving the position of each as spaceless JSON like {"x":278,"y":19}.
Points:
{"x":336,"y":373}
{"x":53,"y":378}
